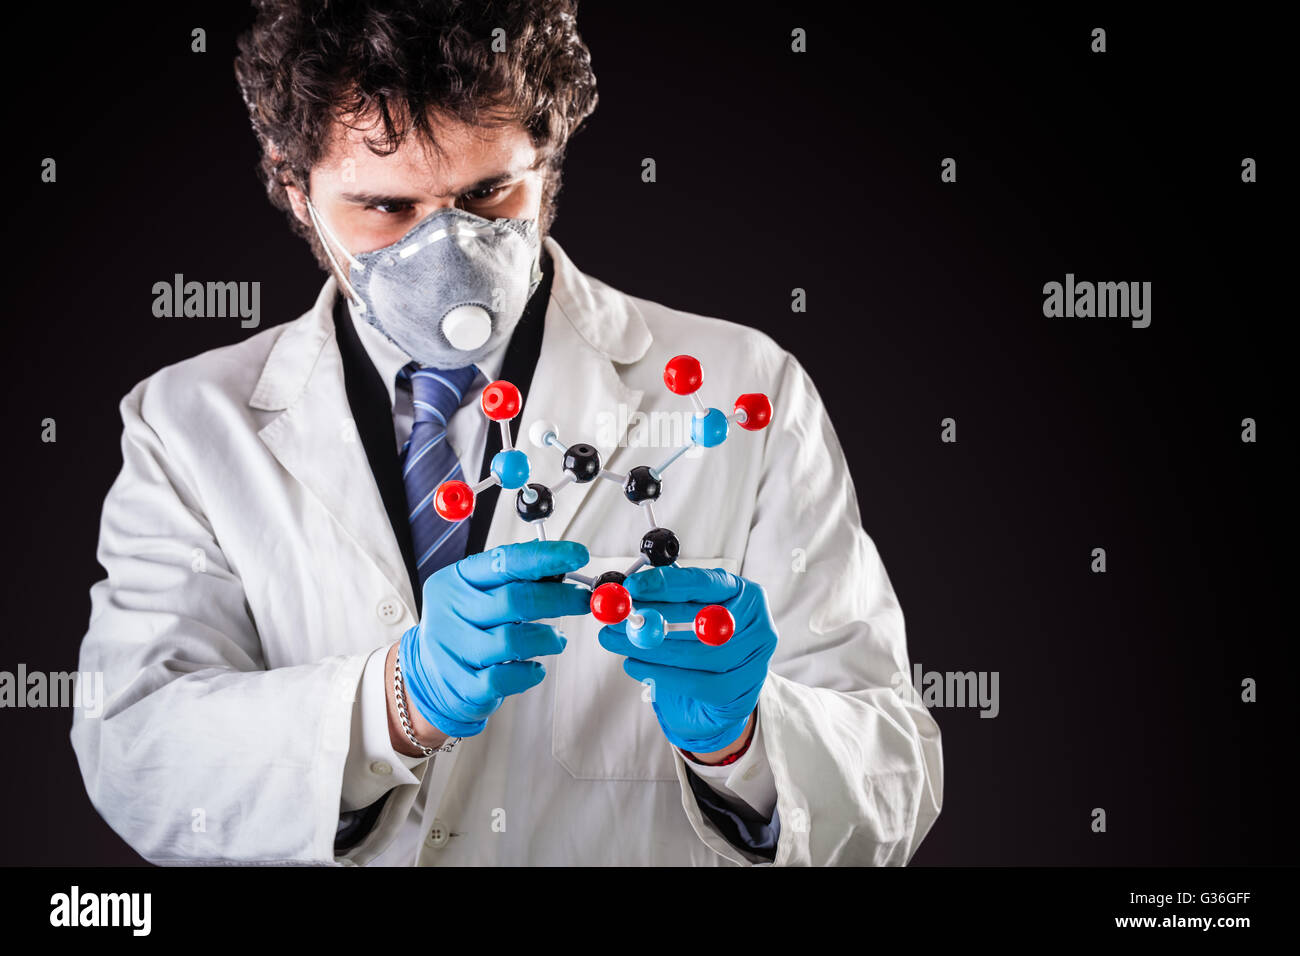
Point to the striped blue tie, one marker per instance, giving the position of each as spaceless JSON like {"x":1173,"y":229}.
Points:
{"x":428,"y":460}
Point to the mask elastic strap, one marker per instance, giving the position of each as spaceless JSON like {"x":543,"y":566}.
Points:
{"x":320,"y":225}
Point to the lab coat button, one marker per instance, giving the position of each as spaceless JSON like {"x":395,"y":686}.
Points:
{"x":438,"y":834}
{"x":390,"y":610}
{"x":749,"y":774}
{"x":381,"y":767}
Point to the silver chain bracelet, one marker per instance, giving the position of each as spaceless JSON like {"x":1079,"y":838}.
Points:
{"x":399,"y":691}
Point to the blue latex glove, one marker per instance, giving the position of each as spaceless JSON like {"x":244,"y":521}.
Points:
{"x":472,"y":646}
{"x":703,"y":695}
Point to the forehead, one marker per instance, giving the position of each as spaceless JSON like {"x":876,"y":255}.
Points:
{"x":464,"y":156}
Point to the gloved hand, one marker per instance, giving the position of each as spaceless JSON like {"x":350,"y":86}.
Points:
{"x":703,"y":695}
{"x":472,"y":646}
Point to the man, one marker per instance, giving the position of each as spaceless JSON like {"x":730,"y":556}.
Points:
{"x":306,"y":662}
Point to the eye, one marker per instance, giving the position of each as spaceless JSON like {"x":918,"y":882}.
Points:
{"x":392,"y":208}
{"x":482,"y":195}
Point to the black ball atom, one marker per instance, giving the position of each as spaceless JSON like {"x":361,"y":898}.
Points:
{"x":617,"y":577}
{"x":641,"y":485}
{"x":539,"y":508}
{"x":582,"y":462}
{"x":660,"y":547}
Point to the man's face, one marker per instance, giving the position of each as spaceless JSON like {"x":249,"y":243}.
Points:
{"x":372,"y":201}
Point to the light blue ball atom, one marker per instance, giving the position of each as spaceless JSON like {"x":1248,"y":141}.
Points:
{"x":511,"y":468}
{"x":709,"y":430}
{"x":649,"y":634}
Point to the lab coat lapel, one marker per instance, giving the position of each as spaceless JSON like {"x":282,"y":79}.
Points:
{"x":589,"y":328}
{"x":315,"y":438}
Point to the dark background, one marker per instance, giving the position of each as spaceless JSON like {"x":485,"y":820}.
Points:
{"x":820,"y":171}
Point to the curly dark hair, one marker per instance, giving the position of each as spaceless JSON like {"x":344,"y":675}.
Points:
{"x":306,"y":63}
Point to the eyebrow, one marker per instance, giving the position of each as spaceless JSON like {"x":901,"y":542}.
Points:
{"x":487,"y":182}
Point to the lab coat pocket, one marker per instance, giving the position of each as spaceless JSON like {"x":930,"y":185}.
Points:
{"x":604,"y":725}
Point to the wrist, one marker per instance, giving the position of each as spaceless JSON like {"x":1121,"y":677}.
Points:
{"x":424,"y":731}
{"x":424,"y":691}
{"x":733,"y":751}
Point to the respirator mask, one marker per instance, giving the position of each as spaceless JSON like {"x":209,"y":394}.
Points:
{"x":450,"y":291}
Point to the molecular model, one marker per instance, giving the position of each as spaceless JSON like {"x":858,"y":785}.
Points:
{"x":642,"y":485}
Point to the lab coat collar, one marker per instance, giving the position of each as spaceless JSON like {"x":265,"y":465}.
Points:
{"x":606,"y":319}
{"x":294,"y":355}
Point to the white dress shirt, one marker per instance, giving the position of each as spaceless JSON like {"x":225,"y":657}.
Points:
{"x":373,"y":766}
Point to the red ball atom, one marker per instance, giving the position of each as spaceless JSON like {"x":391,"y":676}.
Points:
{"x":610,"y":603}
{"x":714,"y":625}
{"x":757,"y":409}
{"x":683,"y":374}
{"x":454,"y":500}
{"x":500,"y":400}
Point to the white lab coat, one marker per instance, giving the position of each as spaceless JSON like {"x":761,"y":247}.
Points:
{"x":252,"y":572}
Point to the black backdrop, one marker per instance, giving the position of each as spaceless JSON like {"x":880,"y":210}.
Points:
{"x":821,"y":171}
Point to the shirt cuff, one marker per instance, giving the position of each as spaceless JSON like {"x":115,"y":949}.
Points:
{"x":373,"y":767}
{"x":747,"y":782}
